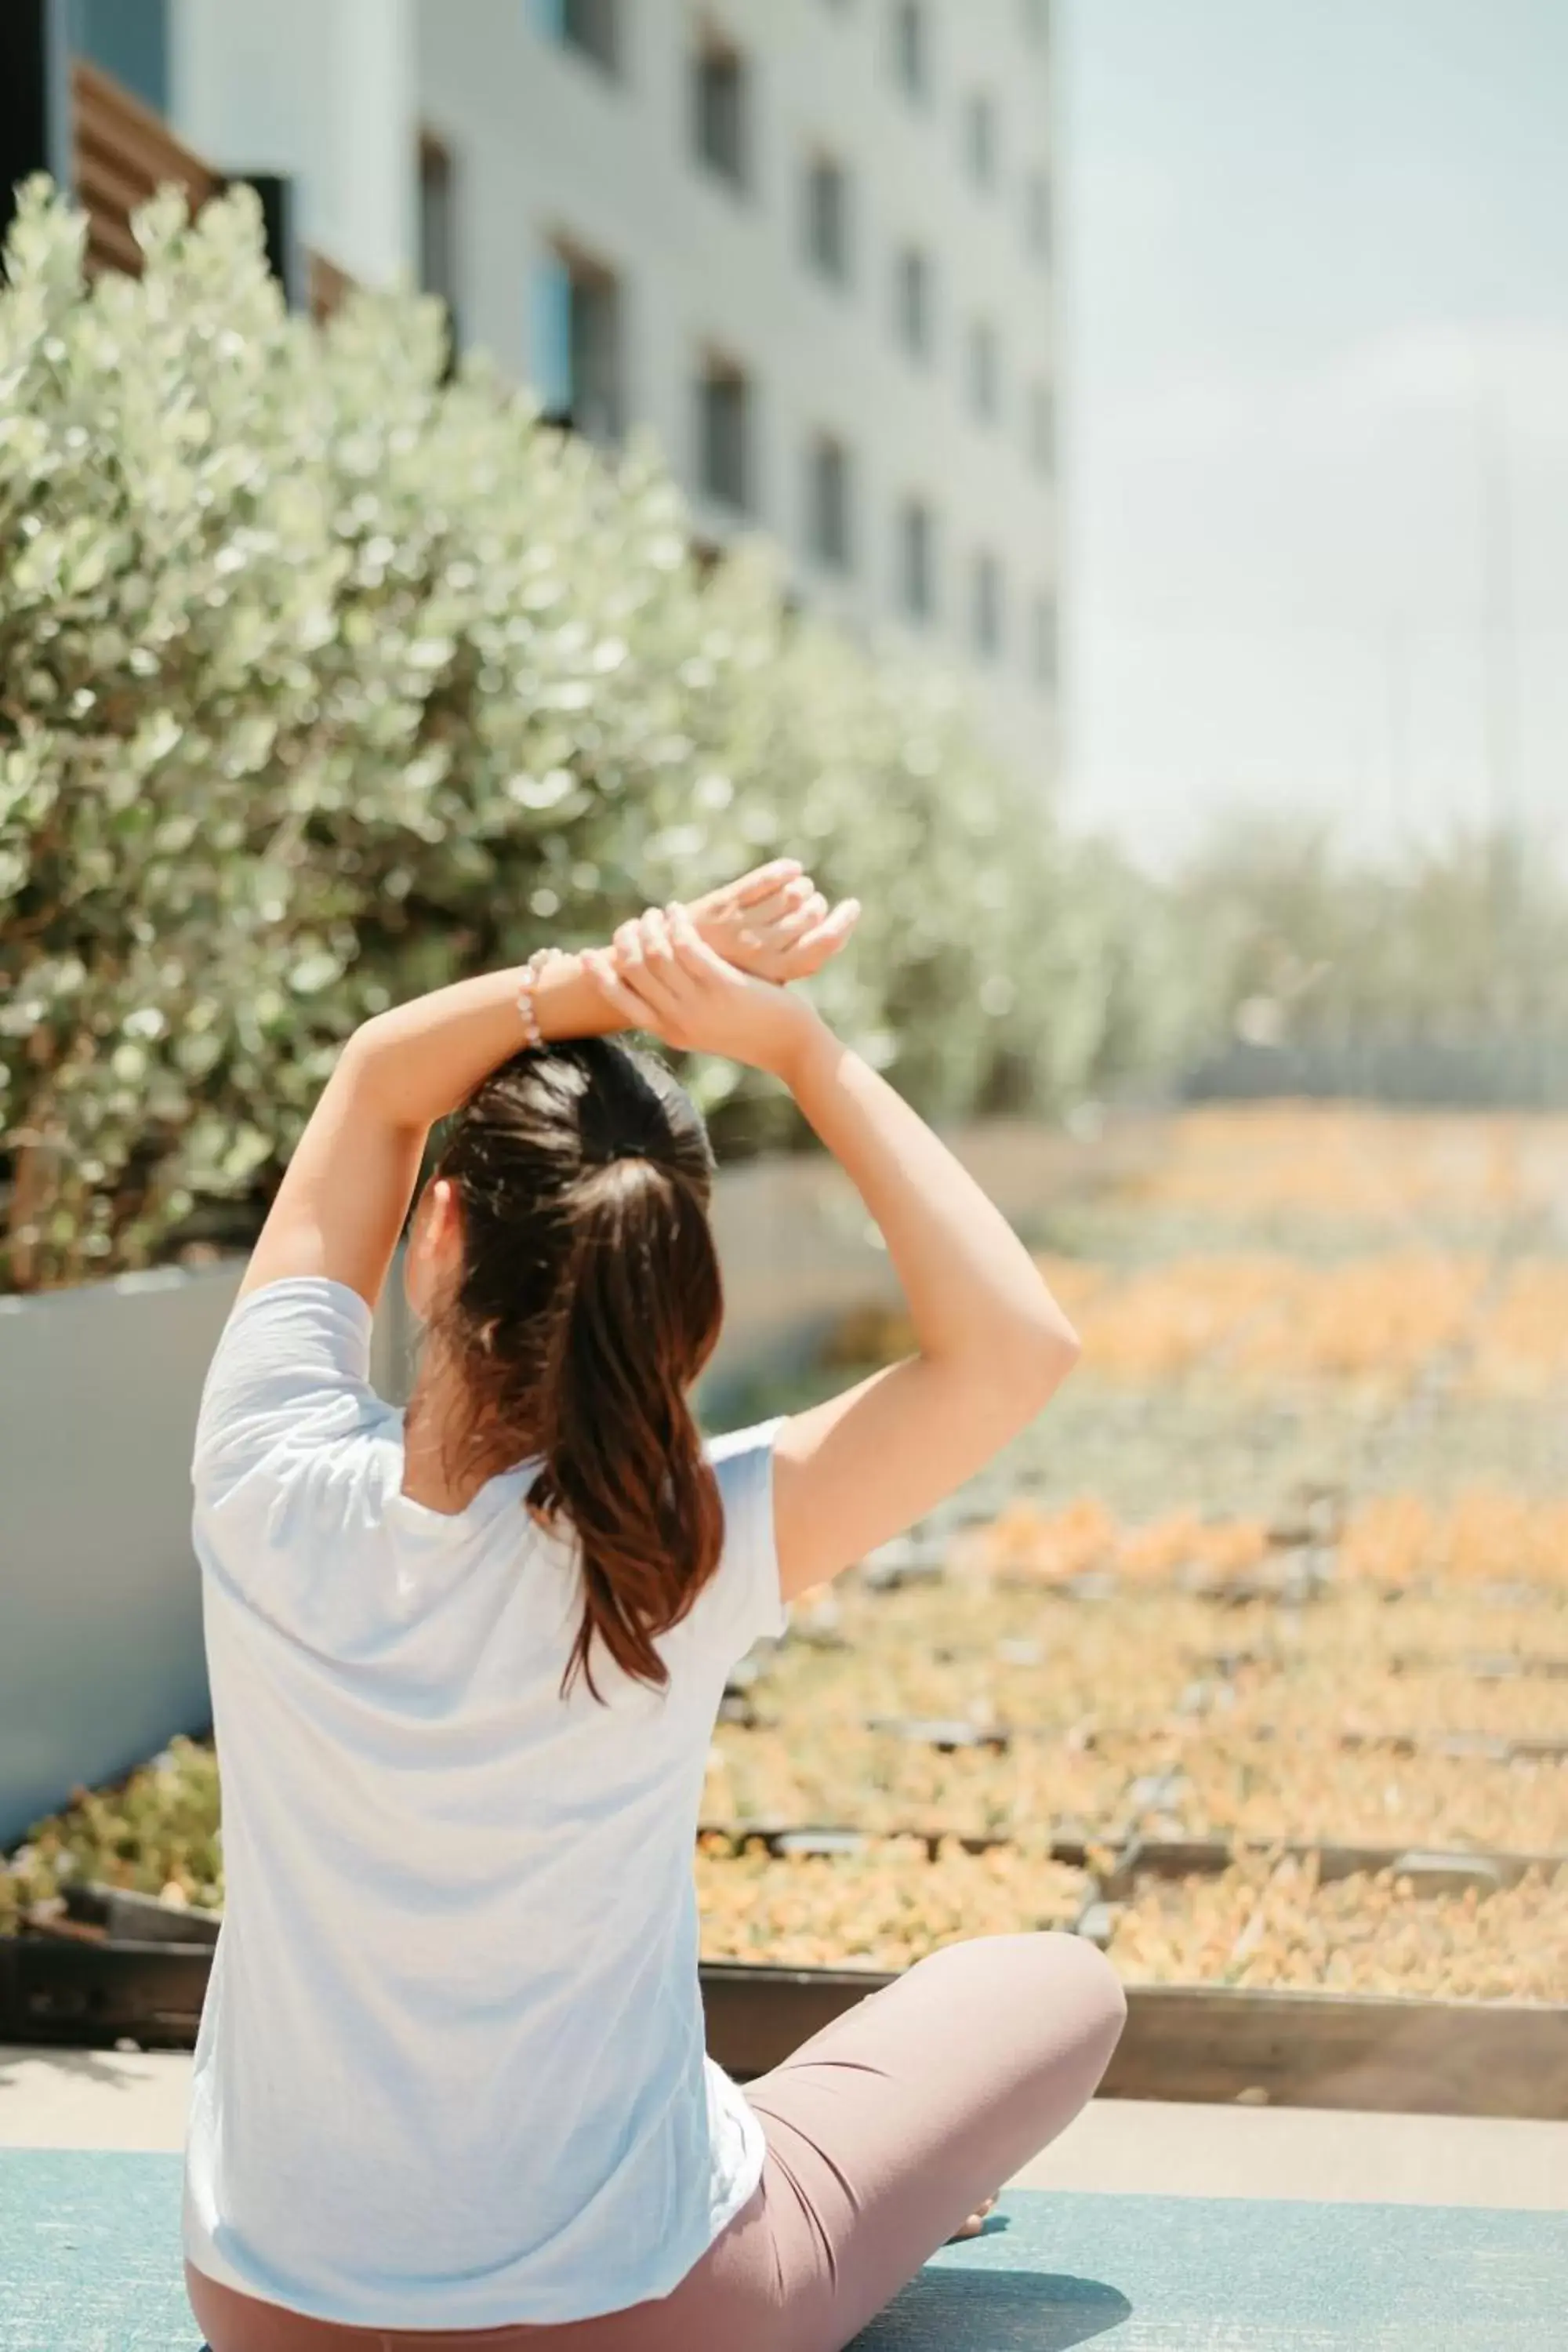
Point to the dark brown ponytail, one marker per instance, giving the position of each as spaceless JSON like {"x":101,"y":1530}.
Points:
{"x":589,"y":1301}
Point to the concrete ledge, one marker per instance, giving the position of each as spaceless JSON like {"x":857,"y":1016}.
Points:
{"x":1146,"y":2148}
{"x":130,"y":2100}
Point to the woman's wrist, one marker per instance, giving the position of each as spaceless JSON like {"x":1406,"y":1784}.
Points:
{"x":563,"y":999}
{"x":806,"y":1046}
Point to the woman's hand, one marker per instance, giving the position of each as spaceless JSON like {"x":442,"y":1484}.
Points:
{"x":774,"y":922}
{"x":661,"y":976}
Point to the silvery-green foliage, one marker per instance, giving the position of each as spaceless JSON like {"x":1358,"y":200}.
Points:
{"x":326,"y":679}
{"x":1459,"y":941}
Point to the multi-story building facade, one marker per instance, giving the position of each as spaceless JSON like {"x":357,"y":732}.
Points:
{"x":808,"y":242}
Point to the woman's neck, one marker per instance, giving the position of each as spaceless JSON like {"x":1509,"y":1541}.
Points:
{"x":447,"y":1458}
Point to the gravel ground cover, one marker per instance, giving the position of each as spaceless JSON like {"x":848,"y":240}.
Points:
{"x":1197,"y":1781}
{"x":1268,"y":1922}
{"x":880,"y":1908}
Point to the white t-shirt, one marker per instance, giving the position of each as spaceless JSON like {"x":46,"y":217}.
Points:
{"x":450,"y":2072}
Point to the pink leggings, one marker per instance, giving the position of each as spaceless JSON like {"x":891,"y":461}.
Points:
{"x":884,"y":2132}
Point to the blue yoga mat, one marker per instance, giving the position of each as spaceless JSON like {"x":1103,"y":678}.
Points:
{"x":90,"y":2262}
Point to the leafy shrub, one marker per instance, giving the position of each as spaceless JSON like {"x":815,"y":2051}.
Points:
{"x":157,"y":1832}
{"x":327,"y":677}
{"x":1306,"y":944}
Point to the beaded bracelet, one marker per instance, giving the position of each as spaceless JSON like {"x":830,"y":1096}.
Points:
{"x":531,"y":971}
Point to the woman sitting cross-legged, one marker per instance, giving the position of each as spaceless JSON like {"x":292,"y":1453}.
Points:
{"x":450,"y":2089}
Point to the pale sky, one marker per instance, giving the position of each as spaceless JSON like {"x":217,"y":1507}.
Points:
{"x":1315,"y":337}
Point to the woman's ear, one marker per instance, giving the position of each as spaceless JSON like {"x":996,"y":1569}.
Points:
{"x":433,"y":1257}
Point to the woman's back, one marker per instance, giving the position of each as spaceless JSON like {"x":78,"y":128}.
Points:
{"x":452,"y":2064}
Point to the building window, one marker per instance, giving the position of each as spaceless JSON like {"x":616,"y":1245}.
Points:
{"x":130,"y":39}
{"x":914,"y":302}
{"x":911,"y":50}
{"x":827,"y":218}
{"x":591,"y":28}
{"x":1043,"y":638}
{"x":980,"y":138}
{"x":917,"y":561}
{"x":1037,"y":216}
{"x":984,"y":371}
{"x":985,"y":606}
{"x":437,"y":221}
{"x":725,"y":434}
{"x":718,"y":126}
{"x":829,"y":520}
{"x":578,"y":362}
{"x":1042,"y":428}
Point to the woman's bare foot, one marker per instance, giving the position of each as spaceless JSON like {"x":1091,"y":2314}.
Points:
{"x":975,"y":2223}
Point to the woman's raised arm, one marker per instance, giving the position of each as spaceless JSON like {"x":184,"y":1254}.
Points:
{"x":993,"y":1345}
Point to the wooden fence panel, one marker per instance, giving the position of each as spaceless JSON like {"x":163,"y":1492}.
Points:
{"x":123,"y":155}
{"x":328,"y":287}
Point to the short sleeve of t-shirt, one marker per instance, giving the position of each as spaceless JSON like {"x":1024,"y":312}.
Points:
{"x":291,"y":1372}
{"x":281,"y":1449}
{"x":744,"y":1603}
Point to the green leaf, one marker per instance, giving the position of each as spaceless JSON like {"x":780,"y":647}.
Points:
{"x":315,"y":971}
